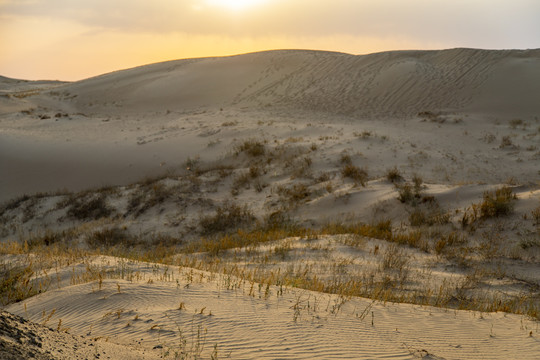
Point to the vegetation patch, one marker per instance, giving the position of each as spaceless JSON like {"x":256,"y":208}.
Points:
{"x":229,"y":216}
{"x":89,"y":208}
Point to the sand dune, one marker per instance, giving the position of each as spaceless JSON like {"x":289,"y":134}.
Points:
{"x":392,"y":83}
{"x":295,"y":324}
{"x":402,"y":149}
{"x":164,"y":105}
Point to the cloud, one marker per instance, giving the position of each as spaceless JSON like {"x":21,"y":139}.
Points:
{"x":70,"y":39}
{"x":433,"y":20}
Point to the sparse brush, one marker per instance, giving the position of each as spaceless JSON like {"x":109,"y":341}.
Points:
{"x":253,"y":148}
{"x":435,"y":217}
{"x":227,"y":217}
{"x":92,"y":207}
{"x":515,"y":122}
{"x":147,"y":196}
{"x":106,"y":238}
{"x":497,"y":203}
{"x":354,"y":172}
{"x":293,"y":195}
{"x":536,"y":215}
{"x":345,"y":159}
{"x":394,"y":258}
{"x":16,"y":284}
{"x":406,"y":194}
{"x":394,"y":176}
{"x":506,"y":142}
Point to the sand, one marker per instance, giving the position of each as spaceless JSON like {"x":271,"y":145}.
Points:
{"x":465,"y":120}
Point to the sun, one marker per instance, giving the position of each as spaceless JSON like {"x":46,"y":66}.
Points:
{"x":236,"y":5}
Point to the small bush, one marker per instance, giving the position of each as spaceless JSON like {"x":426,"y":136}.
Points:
{"x":411,"y":193}
{"x":434,"y":217}
{"x":355,"y":173}
{"x":394,"y":176}
{"x":229,"y":216}
{"x":94,"y":208}
{"x":295,"y":193}
{"x":148,"y":195}
{"x":536,"y":215}
{"x":253,"y":148}
{"x":406,"y":194}
{"x":106,"y":238}
{"x":394,"y":258}
{"x":506,"y":142}
{"x":418,"y":218}
{"x":13,"y":204}
{"x":515,"y":122}
{"x":345,"y":159}
{"x":497,"y":203}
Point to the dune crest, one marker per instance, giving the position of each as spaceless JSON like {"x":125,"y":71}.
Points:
{"x":399,"y":83}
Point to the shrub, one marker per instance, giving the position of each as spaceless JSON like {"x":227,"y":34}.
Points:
{"x":85,"y":208}
{"x":148,"y":195}
{"x":418,"y":218}
{"x":345,"y":159}
{"x":253,"y":148}
{"x":394,"y":258}
{"x":410,"y":194}
{"x":435,"y":216}
{"x":393,"y":175}
{"x":497,"y":203}
{"x":13,"y":204}
{"x":229,"y":216}
{"x":295,"y":193}
{"x":515,"y":122}
{"x":506,"y":142}
{"x":106,"y":238}
{"x":536,"y":215}
{"x":355,"y":173}
{"x":406,"y":194}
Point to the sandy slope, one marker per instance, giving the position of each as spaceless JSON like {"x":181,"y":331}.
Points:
{"x":21,"y":339}
{"x":392,"y":83}
{"x":464,"y":120}
{"x":175,"y":109}
{"x":267,"y":324}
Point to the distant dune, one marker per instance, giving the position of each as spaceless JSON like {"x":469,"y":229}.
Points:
{"x":390,"y":83}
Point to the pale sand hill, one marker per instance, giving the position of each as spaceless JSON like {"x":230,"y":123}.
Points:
{"x":398,"y":83}
{"x":145,"y":313}
{"x":164,"y":105}
{"x":466,"y":121}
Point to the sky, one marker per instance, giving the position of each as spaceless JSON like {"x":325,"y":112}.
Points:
{"x":77,"y":39}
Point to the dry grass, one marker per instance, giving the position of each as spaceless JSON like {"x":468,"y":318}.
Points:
{"x":360,"y":176}
{"x":242,"y":255}
{"x":497,"y":203}
{"x":227,"y":217}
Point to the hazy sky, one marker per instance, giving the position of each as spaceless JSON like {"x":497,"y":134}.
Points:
{"x":75,"y":39}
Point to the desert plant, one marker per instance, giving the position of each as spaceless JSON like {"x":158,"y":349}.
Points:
{"x":354,"y":172}
{"x":393,"y":175}
{"x":345,"y":159}
{"x":229,"y":216}
{"x":293,"y":195}
{"x":506,"y":142}
{"x":406,"y":194}
{"x":497,"y":203}
{"x":106,"y":238}
{"x":515,"y":122}
{"x":93,"y":207}
{"x":252,"y":148}
{"x":434,"y":217}
{"x":536,"y":215}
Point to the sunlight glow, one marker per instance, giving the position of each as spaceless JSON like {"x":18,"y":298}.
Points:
{"x":236,"y":5}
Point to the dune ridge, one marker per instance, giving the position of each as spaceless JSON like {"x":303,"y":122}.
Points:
{"x":399,"y":83}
